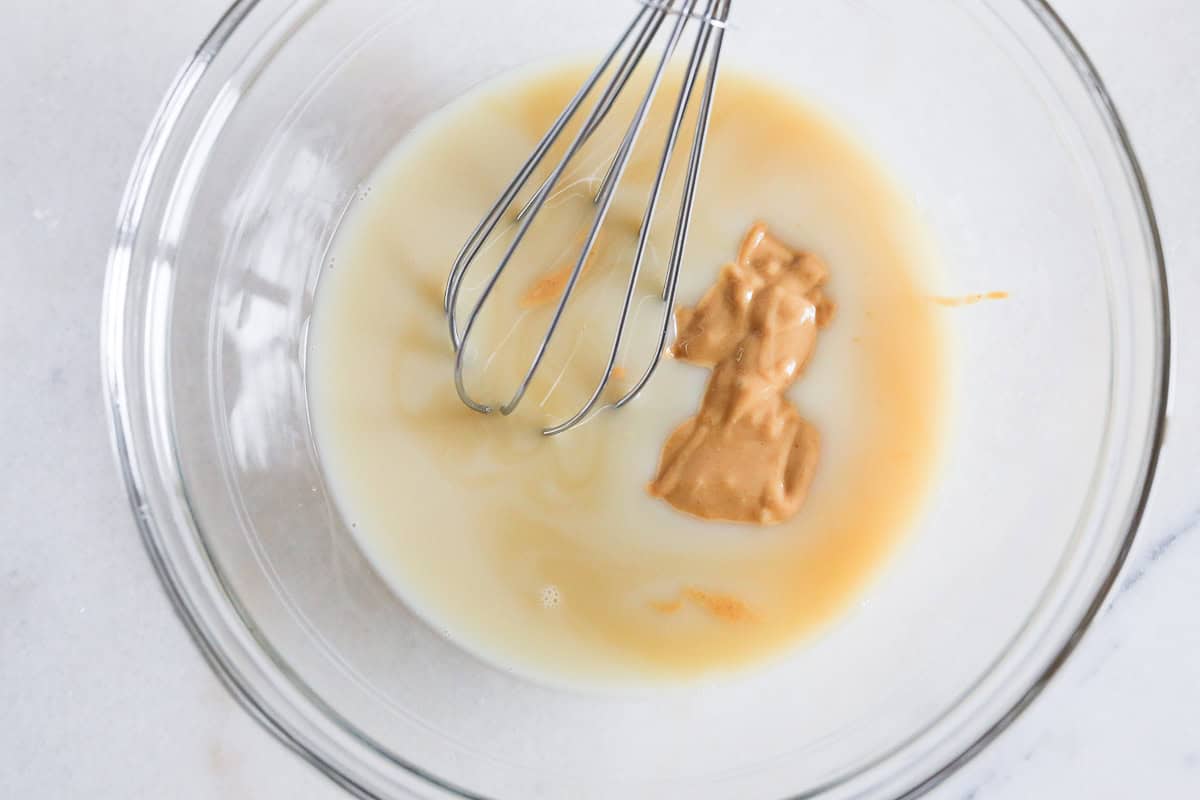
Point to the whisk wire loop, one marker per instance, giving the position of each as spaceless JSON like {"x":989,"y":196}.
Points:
{"x":634,"y":42}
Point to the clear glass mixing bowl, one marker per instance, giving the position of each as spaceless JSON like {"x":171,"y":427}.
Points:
{"x":987,"y":112}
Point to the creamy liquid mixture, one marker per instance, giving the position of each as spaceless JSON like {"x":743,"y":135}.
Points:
{"x":549,"y":556}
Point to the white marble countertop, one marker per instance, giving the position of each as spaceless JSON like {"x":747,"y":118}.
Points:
{"x":102,"y":695}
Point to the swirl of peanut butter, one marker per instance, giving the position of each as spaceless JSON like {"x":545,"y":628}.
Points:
{"x":748,"y":456}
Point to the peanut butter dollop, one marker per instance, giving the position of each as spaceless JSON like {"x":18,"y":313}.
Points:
{"x":748,"y":456}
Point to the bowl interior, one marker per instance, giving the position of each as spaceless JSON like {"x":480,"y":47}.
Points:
{"x":978,"y":112}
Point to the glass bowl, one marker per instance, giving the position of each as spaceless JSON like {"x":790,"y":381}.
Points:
{"x":991,"y":118}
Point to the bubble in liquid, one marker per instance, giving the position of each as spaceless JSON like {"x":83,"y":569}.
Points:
{"x":551,"y":596}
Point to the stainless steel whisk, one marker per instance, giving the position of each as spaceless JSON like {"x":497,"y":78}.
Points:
{"x":630,"y":49}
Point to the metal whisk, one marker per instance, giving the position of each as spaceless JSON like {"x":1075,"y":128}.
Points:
{"x":629,"y":49}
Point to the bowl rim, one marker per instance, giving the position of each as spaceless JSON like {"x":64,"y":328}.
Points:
{"x":115,"y":394}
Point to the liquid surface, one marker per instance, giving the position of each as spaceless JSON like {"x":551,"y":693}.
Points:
{"x":547,"y":555}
